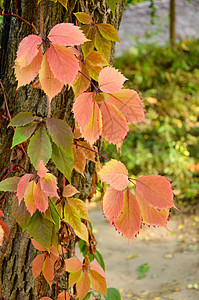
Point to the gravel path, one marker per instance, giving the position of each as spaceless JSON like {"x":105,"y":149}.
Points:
{"x":136,"y":23}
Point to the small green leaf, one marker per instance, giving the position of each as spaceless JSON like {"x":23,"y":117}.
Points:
{"x":142,"y":270}
{"x":99,"y":259}
{"x":54,"y":239}
{"x":61,"y":134}
{"x":84,"y":250}
{"x":102,"y":45}
{"x":39,"y":147}
{"x":55,"y":214}
{"x":22,"y":133}
{"x":62,"y":161}
{"x":113,"y":294}
{"x":40,"y":229}
{"x":112,"y":4}
{"x":20,"y":213}
{"x":9,"y":184}
{"x":22,"y":119}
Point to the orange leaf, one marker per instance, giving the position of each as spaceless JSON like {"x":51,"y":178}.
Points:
{"x":48,"y":268}
{"x":98,"y":282}
{"x":130,"y":104}
{"x":93,"y":70}
{"x":4,"y":231}
{"x":64,"y":296}
{"x":152,"y":216}
{"x":156,"y":190}
{"x":82,"y":109}
{"x":111,"y":80}
{"x":63,"y":64}
{"x":22,"y":186}
{"x":130,"y":220}
{"x":92,"y":130}
{"x":69,"y":191}
{"x":98,"y":269}
{"x":81,"y":84}
{"x":49,"y":84}
{"x":28,"y":49}
{"x":113,"y":204}
{"x":41,"y":169}
{"x":28,"y":73}
{"x":49,"y":185}
{"x":28,"y":197}
{"x":37,"y":265}
{"x":73,"y":265}
{"x":114,"y":124}
{"x":95,"y":58}
{"x":114,"y":173}
{"x":40,"y":199}
{"x":66,"y":34}
{"x":46,"y":298}
{"x":79,"y":159}
{"x":83,"y":285}
{"x":38,"y":246}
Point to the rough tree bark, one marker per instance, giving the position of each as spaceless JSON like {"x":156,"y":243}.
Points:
{"x":15,"y":265}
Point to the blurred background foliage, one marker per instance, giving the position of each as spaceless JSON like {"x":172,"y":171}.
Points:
{"x":168,"y":81}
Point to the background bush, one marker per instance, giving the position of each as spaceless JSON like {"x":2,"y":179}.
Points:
{"x":168,"y":81}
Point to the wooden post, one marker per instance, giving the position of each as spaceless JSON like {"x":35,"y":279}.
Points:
{"x":172,"y":23}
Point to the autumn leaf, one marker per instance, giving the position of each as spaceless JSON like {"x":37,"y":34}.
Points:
{"x":98,"y":282}
{"x":156,"y":190}
{"x":81,"y":83}
{"x":66,"y":34}
{"x":69,"y":191}
{"x":9,"y":184}
{"x":83,"y":17}
{"x":22,"y":186}
{"x":41,"y":169}
{"x":112,"y":204}
{"x":40,"y":198}
{"x":29,"y":197}
{"x":22,"y":119}
{"x":49,"y":185}
{"x":111,"y":80}
{"x":102,"y":45}
{"x":108,"y":32}
{"x":130,"y":220}
{"x":83,"y":285}
{"x":73,"y":265}
{"x":3,"y":229}
{"x":114,"y":173}
{"x":112,"y":4}
{"x":83,"y":108}
{"x":22,"y":133}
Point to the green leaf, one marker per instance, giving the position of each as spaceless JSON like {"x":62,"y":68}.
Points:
{"x":22,"y":119}
{"x":39,"y":147}
{"x":22,"y":133}
{"x":55,"y":214}
{"x":72,"y":217}
{"x":113,"y":294}
{"x":9,"y":184}
{"x":84,"y":250}
{"x":54,"y":239}
{"x":112,"y":4}
{"x":108,"y":32}
{"x":61,"y":134}
{"x":20,"y":213}
{"x":100,"y":259}
{"x":142,"y":270}
{"x":62,"y":161}
{"x":40,"y":229}
{"x":102,"y":45}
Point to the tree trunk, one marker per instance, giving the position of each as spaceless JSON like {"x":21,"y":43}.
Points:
{"x":16,"y":272}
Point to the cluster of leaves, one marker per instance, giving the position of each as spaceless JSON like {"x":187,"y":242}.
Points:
{"x":50,"y":213}
{"x":168,"y":143}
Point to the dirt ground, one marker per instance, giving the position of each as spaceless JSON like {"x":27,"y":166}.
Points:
{"x":172,"y":257}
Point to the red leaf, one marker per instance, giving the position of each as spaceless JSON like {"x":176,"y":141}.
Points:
{"x":40,"y":199}
{"x":28,"y":49}
{"x":41,"y":169}
{"x":69,"y":191}
{"x":38,"y":246}
{"x":114,"y":173}
{"x":79,"y":159}
{"x":49,"y":185}
{"x":66,"y":34}
{"x":22,"y":186}
{"x":48,"y":268}
{"x":129,"y":103}
{"x":98,"y":269}
{"x":114,"y":124}
{"x":73,"y":265}
{"x":1,"y":214}
{"x":111,"y":80}
{"x":37,"y":265}
{"x":49,"y":83}
{"x":130,"y":221}
{"x":98,"y":282}
{"x":63,"y":64}
{"x":156,"y":190}
{"x":92,"y":130}
{"x":83,"y":285}
{"x":82,"y":109}
{"x":113,"y":204}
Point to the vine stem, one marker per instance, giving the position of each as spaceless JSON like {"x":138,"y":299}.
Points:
{"x":92,"y":150}
{"x":82,"y":1}
{"x":71,"y":252}
{"x":96,"y":89}
{"x":17,"y":16}
{"x":12,"y":167}
{"x":131,"y":180}
{"x":6,"y":198}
